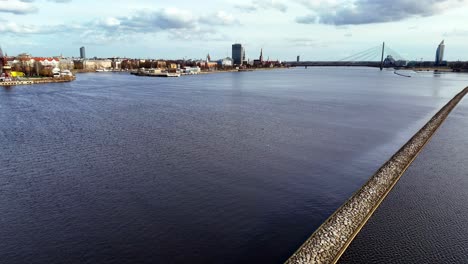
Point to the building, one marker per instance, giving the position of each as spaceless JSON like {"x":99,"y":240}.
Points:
{"x":92,"y":65}
{"x":226,"y":62}
{"x":210,"y":65}
{"x":238,"y":54}
{"x":5,"y":68}
{"x":82,"y":53}
{"x":391,"y":62}
{"x":259,"y":62}
{"x":46,"y":62}
{"x":2,"y":60}
{"x":439,"y":58}
{"x":298,"y":58}
{"x":191,"y":70}
{"x":116,"y":63}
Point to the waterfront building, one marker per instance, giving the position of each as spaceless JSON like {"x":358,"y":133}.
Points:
{"x":66,"y":64}
{"x":46,"y":62}
{"x":259,"y":62}
{"x":439,"y":58}
{"x":116,"y":63}
{"x":191,"y":70}
{"x":389,"y":61}
{"x":226,"y":62}
{"x":82,"y":53}
{"x":298,"y":58}
{"x":161,"y":64}
{"x":5,"y":67}
{"x":211,"y":65}
{"x":92,"y":65}
{"x":238,"y":54}
{"x":3,"y":60}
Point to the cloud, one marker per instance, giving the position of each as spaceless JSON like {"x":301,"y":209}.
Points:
{"x":150,"y":22}
{"x":219,"y":18}
{"x":307,"y":42}
{"x":357,"y":12}
{"x":176,"y":23}
{"x":197,"y":34}
{"x":261,"y":5}
{"x":11,"y":27}
{"x":456,"y":33}
{"x":56,"y":1}
{"x":17,"y":7}
{"x":22,"y":7}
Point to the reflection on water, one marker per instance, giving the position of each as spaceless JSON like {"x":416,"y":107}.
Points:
{"x":7,"y":88}
{"x":216,"y":168}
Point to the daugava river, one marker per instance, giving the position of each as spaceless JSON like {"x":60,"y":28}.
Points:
{"x":216,"y":168}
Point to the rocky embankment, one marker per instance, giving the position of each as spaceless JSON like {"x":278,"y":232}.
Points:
{"x":327,"y":244}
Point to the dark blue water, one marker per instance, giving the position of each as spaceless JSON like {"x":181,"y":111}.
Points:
{"x":424,"y":218}
{"x":219,"y":168}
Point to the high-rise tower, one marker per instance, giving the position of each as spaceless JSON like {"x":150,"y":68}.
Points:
{"x":238,"y":54}
{"x":82,"y":53}
{"x":439,"y":58}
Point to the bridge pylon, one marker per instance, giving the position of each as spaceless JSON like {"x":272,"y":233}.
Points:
{"x":381,"y":60}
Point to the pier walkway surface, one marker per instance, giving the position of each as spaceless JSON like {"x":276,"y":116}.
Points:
{"x":424,"y":218}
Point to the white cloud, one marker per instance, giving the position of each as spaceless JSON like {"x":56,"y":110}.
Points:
{"x":261,"y":5}
{"x":13,"y":27}
{"x":148,"y":27}
{"x":219,"y":18}
{"x":17,"y":7}
{"x":110,"y":22}
{"x":356,"y":12}
{"x":22,"y":7}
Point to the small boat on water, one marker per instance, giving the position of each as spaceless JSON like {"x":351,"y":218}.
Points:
{"x":175,"y":74}
{"x":401,"y":74}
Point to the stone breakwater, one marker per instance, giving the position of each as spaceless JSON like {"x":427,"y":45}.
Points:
{"x":330,"y":240}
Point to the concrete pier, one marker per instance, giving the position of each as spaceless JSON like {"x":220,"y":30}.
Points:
{"x":14,"y":83}
{"x":330,"y":240}
{"x":37,"y":81}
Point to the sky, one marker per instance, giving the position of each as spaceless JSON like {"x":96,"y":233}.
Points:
{"x":177,"y":29}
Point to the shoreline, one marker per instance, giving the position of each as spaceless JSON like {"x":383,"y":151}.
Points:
{"x":76,"y":72}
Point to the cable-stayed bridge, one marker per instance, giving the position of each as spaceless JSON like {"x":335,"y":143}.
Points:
{"x":381,"y":56}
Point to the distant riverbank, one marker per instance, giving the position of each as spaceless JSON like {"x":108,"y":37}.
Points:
{"x":201,"y":72}
{"x":242,"y":70}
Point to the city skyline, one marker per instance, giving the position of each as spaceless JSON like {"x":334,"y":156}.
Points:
{"x":315,"y":30}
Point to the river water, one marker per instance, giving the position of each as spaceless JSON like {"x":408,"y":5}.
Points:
{"x":215,"y":168}
{"x":424,"y":218}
